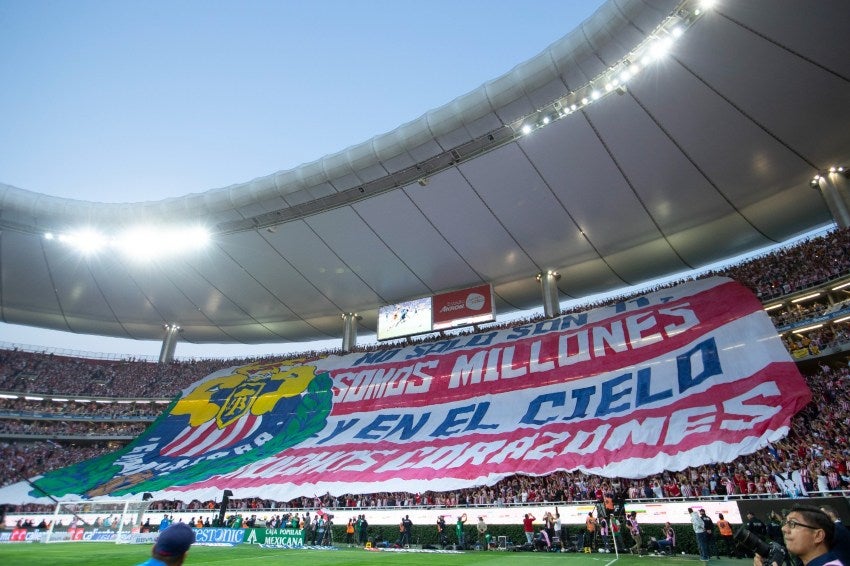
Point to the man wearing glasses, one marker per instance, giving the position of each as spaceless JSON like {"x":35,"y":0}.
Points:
{"x":808,"y":534}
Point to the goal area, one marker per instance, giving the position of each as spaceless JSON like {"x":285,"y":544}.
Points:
{"x":118,"y":521}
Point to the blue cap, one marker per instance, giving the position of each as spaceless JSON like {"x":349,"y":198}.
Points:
{"x":174,"y":540}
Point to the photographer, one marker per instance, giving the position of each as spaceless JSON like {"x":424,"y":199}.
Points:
{"x":406,"y":530}
{"x":808,"y":534}
{"x":634,"y":530}
{"x":442,"y":535}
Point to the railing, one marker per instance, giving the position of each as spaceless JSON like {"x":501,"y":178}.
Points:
{"x":169,"y":506}
{"x":72,"y":437}
{"x":77,"y":353}
{"x":82,"y":417}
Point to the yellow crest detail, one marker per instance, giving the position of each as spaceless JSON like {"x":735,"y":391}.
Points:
{"x":254,"y":389}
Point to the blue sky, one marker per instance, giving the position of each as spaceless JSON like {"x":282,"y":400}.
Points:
{"x":127,"y":101}
{"x":121,"y":101}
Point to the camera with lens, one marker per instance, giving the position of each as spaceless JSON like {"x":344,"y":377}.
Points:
{"x":770,"y":551}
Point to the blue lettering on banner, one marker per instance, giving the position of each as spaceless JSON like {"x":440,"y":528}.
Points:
{"x":707,"y":353}
{"x":376,"y":357}
{"x":100,"y":535}
{"x":559,"y":324}
{"x":219,"y":536}
{"x":422,"y":350}
{"x":617,"y":394}
{"x":453,"y":423}
{"x":406,"y":427}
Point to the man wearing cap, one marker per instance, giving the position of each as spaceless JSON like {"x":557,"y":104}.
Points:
{"x":171,"y":546}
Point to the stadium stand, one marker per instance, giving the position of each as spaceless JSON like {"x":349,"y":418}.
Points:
{"x":127,"y":395}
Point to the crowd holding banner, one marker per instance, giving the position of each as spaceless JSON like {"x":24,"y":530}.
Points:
{"x":628,"y":390}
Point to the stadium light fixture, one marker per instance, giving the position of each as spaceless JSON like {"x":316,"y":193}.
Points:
{"x":842,"y":319}
{"x":137,"y":243}
{"x":806,"y":329}
{"x":806,"y":297}
{"x":842,"y":286}
{"x":87,"y":240}
{"x":773,"y":307}
{"x":656,"y":44}
{"x":661,"y":48}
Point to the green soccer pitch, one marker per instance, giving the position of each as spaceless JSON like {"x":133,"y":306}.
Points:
{"x":110,"y":554}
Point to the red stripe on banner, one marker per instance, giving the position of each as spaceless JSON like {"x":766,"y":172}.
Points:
{"x":533,"y":361}
{"x":208,"y":436}
{"x":717,"y":424}
{"x":187,"y":438}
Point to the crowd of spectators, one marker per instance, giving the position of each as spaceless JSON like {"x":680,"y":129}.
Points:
{"x":59,"y":428}
{"x":813,"y":458}
{"x":795,"y":268}
{"x":77,"y":420}
{"x":19,"y":460}
{"x":798,"y":313}
{"x":70,"y":408}
{"x":815,"y":341}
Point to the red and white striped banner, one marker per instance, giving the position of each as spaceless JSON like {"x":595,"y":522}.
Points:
{"x":680,"y":377}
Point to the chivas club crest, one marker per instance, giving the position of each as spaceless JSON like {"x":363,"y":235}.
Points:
{"x":225,"y":422}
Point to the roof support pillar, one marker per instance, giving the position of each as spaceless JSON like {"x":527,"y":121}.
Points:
{"x":349,"y":330}
{"x":166,"y":354}
{"x":549,"y":287}
{"x":835,"y":189}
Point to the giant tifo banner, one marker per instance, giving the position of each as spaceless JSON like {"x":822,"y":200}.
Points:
{"x":676,"y":378}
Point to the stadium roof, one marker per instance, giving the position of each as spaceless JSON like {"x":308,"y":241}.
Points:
{"x":588,"y":160}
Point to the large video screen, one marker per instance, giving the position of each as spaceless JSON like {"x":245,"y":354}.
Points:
{"x":462,"y":308}
{"x":404,"y":319}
